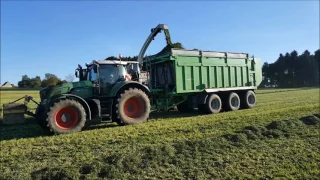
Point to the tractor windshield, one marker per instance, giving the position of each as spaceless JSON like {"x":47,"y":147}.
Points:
{"x":109,"y":74}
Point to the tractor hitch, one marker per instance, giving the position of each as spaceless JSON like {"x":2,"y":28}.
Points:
{"x":13,"y":113}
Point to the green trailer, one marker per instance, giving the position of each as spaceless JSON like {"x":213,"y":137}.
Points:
{"x":127,"y":92}
{"x":188,"y":79}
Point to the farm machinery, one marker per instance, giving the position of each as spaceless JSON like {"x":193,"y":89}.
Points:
{"x":120,"y":91}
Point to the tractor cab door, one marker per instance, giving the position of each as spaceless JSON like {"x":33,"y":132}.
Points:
{"x":109,"y":75}
{"x":92,"y":75}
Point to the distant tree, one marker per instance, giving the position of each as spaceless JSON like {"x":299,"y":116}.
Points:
{"x":317,"y":67}
{"x":35,"y":82}
{"x":44,"y":83}
{"x":317,"y":56}
{"x":49,"y":75}
{"x":25,"y":82}
{"x":293,"y":70}
{"x":112,"y":58}
{"x":70,"y":78}
{"x":50,"y":80}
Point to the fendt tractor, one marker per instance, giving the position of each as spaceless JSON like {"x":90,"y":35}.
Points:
{"x":120,"y":91}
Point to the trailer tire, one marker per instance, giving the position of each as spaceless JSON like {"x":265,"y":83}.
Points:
{"x":66,"y":116}
{"x":233,"y":102}
{"x":132,"y":107}
{"x":213,"y":104}
{"x":248,"y":100}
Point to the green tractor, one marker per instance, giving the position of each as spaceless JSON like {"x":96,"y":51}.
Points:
{"x":119,"y":91}
{"x":104,"y":92}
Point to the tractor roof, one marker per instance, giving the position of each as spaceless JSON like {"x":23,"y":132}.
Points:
{"x":112,"y":62}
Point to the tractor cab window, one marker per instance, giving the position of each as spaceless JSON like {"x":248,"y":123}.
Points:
{"x":109,"y":74}
{"x":92,"y":75}
{"x":133,"y":70}
{"x":133,"y":66}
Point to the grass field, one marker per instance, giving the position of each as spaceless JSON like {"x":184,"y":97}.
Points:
{"x":279,"y":139}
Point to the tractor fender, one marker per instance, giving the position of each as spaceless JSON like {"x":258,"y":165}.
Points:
{"x":82,"y":102}
{"x":123,"y":84}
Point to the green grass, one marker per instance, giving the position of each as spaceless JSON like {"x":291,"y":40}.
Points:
{"x":279,"y":139}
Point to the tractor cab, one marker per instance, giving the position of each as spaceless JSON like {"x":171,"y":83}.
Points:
{"x":103,"y":74}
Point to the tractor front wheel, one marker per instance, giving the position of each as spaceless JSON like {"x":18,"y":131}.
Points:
{"x":66,"y":116}
{"x":133,"y":107}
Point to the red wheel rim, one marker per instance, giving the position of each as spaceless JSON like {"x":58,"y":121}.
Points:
{"x":134,"y":107}
{"x":66,"y":118}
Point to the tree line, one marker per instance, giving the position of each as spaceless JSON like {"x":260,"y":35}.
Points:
{"x":49,"y":80}
{"x":292,"y":70}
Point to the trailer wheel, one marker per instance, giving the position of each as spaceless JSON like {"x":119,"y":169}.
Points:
{"x":66,"y":116}
{"x":213,"y":104}
{"x":248,"y":100}
{"x":133,"y":107}
{"x":233,"y":102}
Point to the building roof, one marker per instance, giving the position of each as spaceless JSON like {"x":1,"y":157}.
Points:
{"x":6,"y":84}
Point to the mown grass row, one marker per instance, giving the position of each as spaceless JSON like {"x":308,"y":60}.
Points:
{"x":255,"y":143}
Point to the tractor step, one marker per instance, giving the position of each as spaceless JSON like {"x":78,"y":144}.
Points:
{"x":105,"y":115}
{"x":106,"y":118}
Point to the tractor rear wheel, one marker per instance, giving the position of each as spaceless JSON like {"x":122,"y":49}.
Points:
{"x":66,"y":116}
{"x":132,"y":107}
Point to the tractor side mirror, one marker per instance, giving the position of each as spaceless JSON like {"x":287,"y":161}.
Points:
{"x":76,"y":73}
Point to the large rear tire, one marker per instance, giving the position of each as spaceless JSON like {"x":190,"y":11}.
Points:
{"x":248,"y":100}
{"x":232,"y":102}
{"x":213,"y":104}
{"x":66,"y":116}
{"x":133,"y":107}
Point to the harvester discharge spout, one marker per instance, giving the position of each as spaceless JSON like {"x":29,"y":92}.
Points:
{"x":13,"y":113}
{"x":154,"y":32}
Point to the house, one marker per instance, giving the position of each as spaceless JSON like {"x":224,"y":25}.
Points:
{"x":7,"y":85}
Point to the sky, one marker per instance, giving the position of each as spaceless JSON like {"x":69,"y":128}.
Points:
{"x":55,"y":36}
